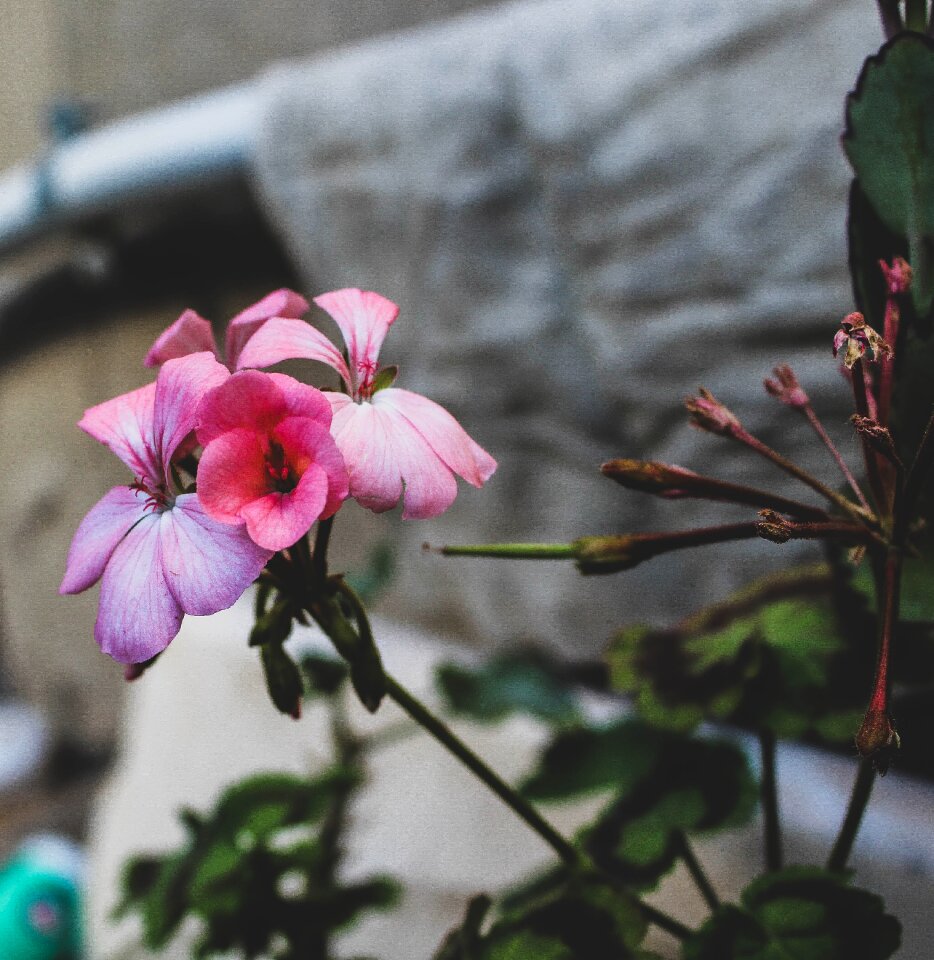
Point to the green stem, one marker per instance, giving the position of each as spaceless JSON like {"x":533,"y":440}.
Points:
{"x":515,"y":801}
{"x":916,"y":15}
{"x":319,"y":559}
{"x":859,"y":798}
{"x":700,"y":878}
{"x":525,"y":551}
{"x":773,"y":836}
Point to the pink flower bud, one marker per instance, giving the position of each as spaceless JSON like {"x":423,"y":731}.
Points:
{"x":897,"y":277}
{"x":707,"y":413}
{"x":785,"y":387}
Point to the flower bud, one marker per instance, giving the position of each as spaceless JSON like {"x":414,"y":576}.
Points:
{"x":877,"y":738}
{"x":785,"y":387}
{"x":707,"y":413}
{"x":897,"y":277}
{"x":649,"y":476}
{"x":879,"y":437}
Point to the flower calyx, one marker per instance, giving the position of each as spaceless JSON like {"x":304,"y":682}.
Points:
{"x":877,"y":739}
{"x":877,"y":436}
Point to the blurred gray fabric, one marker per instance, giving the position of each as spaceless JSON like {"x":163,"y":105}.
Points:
{"x":585,"y":210}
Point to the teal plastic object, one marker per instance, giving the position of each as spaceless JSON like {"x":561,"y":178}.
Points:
{"x":39,"y":901}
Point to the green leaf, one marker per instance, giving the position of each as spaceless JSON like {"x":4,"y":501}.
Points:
{"x":773,"y":656}
{"x":889,"y":132}
{"x":801,"y":913}
{"x":589,"y":760}
{"x":517,"y":682}
{"x":693,"y":786}
{"x":283,"y":679}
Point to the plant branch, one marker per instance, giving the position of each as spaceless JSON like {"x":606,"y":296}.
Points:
{"x":891,"y":18}
{"x":876,"y":483}
{"x":859,"y":798}
{"x":818,"y":428}
{"x":698,"y":875}
{"x":769,"y":788}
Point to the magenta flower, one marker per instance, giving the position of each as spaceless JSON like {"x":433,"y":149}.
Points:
{"x":268,"y":458}
{"x":396,"y":444}
{"x":191,"y":333}
{"x":156,"y":552}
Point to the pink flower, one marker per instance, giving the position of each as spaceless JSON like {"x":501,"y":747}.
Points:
{"x":191,"y":333}
{"x":268,"y":457}
{"x":156,"y":552}
{"x":396,"y":444}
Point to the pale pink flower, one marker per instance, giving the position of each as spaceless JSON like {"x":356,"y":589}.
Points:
{"x":269,"y":459}
{"x":396,"y":444}
{"x":156,"y":552}
{"x":191,"y":333}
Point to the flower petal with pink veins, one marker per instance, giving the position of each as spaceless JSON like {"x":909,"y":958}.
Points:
{"x":430,"y":487}
{"x":125,"y":426}
{"x":98,"y":535}
{"x":279,"y":339}
{"x":179,"y":388}
{"x":190,"y":333}
{"x":138,"y":615}
{"x":365,"y":440}
{"x":278,"y":520}
{"x":364,"y":319}
{"x":279,"y":303}
{"x":231,"y":474}
{"x":444,"y":434}
{"x":256,"y":401}
{"x":306,"y":442}
{"x":207,"y":565}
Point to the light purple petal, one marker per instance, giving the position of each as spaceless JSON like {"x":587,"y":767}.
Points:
{"x":279,"y":303}
{"x":97,"y":536}
{"x":190,"y":333}
{"x":364,"y":319}
{"x":280,"y":339}
{"x":125,"y":425}
{"x":138,"y":616}
{"x":179,"y":389}
{"x":206,"y":564}
{"x":445,"y":435}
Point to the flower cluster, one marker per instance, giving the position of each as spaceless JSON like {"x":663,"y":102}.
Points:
{"x":265,"y":457}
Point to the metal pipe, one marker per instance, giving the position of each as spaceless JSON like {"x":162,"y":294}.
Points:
{"x":151,"y":154}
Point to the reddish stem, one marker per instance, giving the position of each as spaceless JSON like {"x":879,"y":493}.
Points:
{"x":835,"y":453}
{"x":869,"y":455}
{"x":887,"y":363}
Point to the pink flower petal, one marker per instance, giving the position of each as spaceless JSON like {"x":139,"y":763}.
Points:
{"x":190,"y":333}
{"x":278,"y":520}
{"x":138,"y":616}
{"x":365,"y":440}
{"x":231,"y":474}
{"x":445,"y":435}
{"x":279,"y":303}
{"x":207,"y":565}
{"x":125,"y":426}
{"x":364,"y":319}
{"x":97,"y":536}
{"x":306,"y":442}
{"x":179,"y":388}
{"x":279,"y":340}
{"x":258,"y":401}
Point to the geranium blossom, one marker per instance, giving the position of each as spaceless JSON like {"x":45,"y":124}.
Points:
{"x":268,"y":458}
{"x":156,"y":552}
{"x":396,"y":444}
{"x":191,"y":333}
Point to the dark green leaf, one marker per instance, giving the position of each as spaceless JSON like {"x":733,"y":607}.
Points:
{"x":890,"y":129}
{"x":801,"y":913}
{"x":773,"y":656}
{"x":518,"y":682}
{"x":694,"y":786}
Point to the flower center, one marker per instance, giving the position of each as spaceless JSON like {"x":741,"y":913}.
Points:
{"x":281,"y":475}
{"x":367,"y":370}
{"x":157,"y":498}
